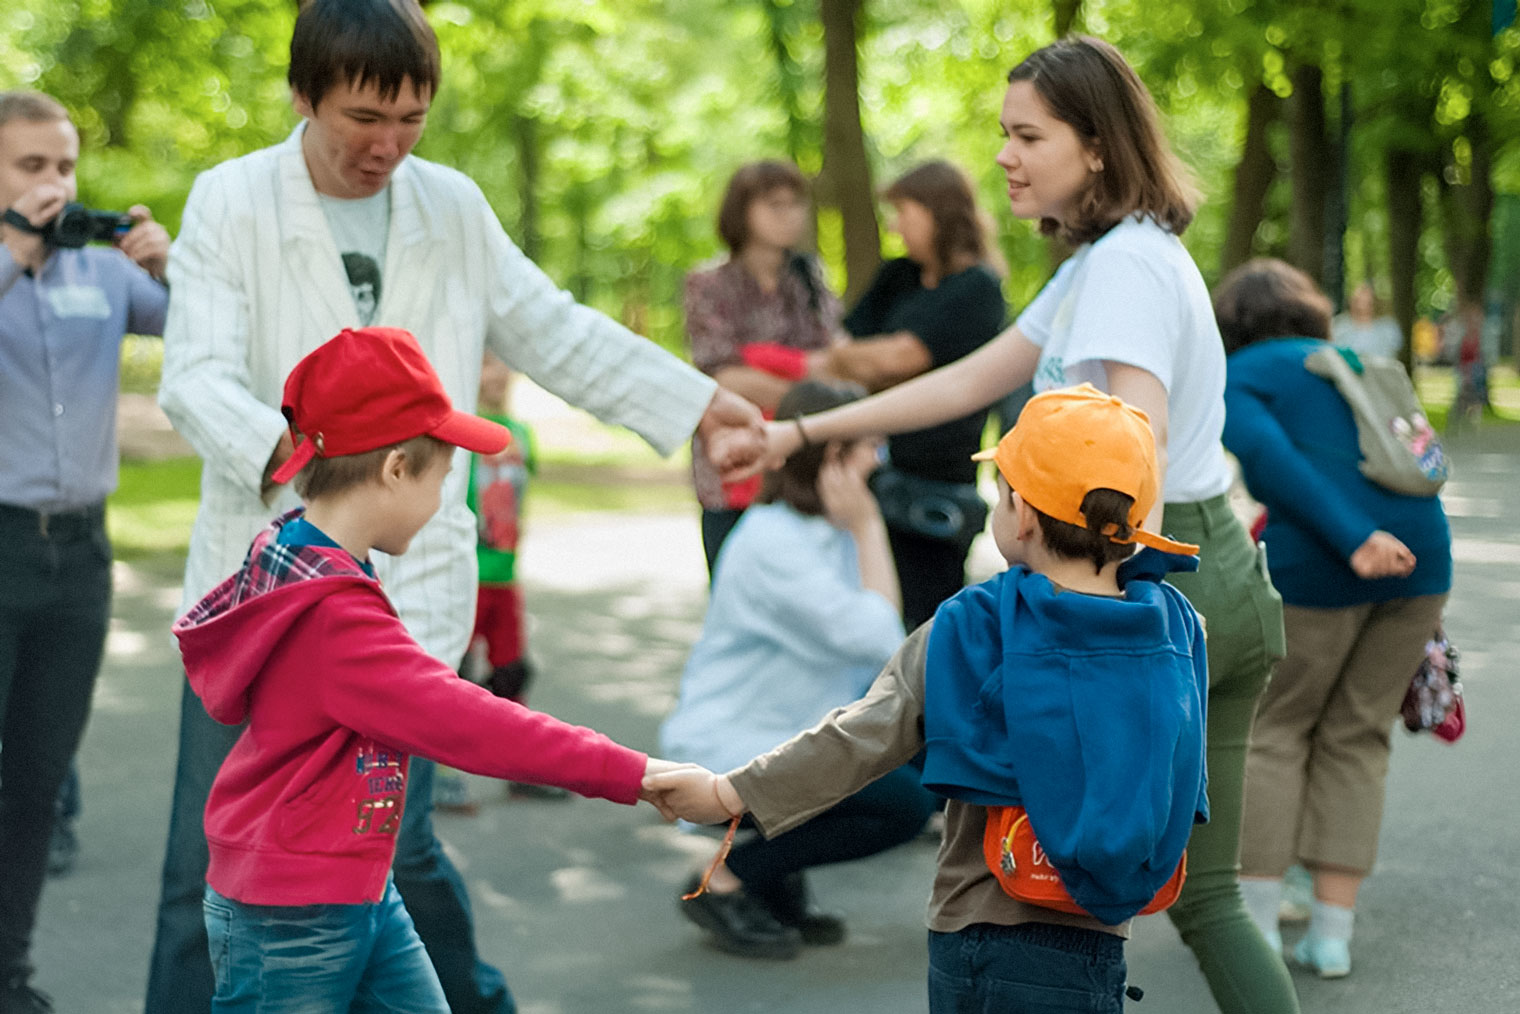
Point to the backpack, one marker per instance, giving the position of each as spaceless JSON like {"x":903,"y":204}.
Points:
{"x":1013,"y":854}
{"x":1400,"y":449}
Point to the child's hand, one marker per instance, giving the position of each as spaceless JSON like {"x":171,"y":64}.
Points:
{"x":691,"y":793}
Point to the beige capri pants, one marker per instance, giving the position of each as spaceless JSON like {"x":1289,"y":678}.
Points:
{"x":1318,"y":759}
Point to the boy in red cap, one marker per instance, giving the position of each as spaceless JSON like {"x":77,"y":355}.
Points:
{"x":1060,"y":708}
{"x":304,"y":645}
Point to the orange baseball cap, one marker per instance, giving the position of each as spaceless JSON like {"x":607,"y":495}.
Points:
{"x":370,"y":388}
{"x":1073,"y":440}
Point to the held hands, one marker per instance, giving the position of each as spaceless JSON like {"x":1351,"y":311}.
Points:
{"x":732,"y":431}
{"x":147,"y":242}
{"x":1382,"y":555}
{"x":690,"y":792}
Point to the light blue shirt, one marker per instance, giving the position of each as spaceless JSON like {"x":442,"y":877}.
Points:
{"x":60,"y":359}
{"x":790,"y":635}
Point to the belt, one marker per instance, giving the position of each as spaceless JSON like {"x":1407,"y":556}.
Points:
{"x":64,"y":526}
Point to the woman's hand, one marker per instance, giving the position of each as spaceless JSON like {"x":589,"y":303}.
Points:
{"x":1382,"y":555}
{"x":847,"y":500}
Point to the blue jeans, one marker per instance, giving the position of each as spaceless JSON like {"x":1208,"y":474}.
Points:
{"x":319,"y":959}
{"x":55,"y":604}
{"x":1032,"y":968}
{"x":179,"y":974}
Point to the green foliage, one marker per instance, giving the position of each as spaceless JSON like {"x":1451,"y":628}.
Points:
{"x":602,"y":131}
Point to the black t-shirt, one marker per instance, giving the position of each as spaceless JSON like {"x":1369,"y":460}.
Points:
{"x":959,"y":315}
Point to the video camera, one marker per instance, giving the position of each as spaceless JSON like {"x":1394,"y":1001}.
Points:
{"x":75,"y":226}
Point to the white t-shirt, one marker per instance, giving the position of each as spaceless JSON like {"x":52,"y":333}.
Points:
{"x":1135,"y":296}
{"x":1378,"y":337}
{"x":359,"y":227}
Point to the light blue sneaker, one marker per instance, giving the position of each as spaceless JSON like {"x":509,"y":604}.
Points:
{"x":1329,"y":958}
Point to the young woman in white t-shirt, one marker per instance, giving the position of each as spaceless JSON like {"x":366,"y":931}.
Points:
{"x":1086,"y":158}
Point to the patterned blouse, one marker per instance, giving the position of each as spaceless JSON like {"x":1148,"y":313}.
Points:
{"x":726,"y":310}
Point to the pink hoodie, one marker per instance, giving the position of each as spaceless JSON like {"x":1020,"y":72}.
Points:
{"x":306,"y":648}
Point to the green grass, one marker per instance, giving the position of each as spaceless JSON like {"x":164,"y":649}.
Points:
{"x":153,"y":507}
{"x":1436,"y":387}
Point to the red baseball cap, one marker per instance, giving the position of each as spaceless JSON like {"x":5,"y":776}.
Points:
{"x":369,"y":388}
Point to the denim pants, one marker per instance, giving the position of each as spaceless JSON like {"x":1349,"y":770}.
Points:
{"x":319,"y":959}
{"x":55,"y":604}
{"x":179,"y":975}
{"x":1032,"y":968}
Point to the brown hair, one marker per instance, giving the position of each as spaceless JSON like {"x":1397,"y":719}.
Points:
{"x":960,"y":231}
{"x":1268,"y":298}
{"x":1087,"y":84}
{"x":34,"y":107}
{"x":1100,"y":508}
{"x":386,"y":42}
{"x":329,"y":476}
{"x":747,"y":185}
{"x":796,"y":482}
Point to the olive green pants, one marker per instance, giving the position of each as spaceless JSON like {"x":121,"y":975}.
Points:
{"x":1243,"y":614}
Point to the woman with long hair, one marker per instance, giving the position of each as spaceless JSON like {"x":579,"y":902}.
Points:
{"x":933,"y":306}
{"x":1086,"y":158}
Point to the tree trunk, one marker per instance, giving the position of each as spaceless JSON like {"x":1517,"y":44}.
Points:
{"x":1467,"y":205}
{"x":1253,"y":177}
{"x":1309,"y":149}
{"x":1405,"y":169}
{"x":525,"y":141}
{"x":1338,"y":204}
{"x":845,"y":181}
{"x":1068,"y":14}
{"x":788,"y":78}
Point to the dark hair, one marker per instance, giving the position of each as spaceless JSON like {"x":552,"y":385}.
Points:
{"x":1268,"y":298}
{"x":387,"y":42}
{"x":959,"y":230}
{"x":796,"y":482}
{"x":747,"y":185}
{"x":327,"y":476}
{"x":34,"y":107}
{"x":1087,"y":84}
{"x":1100,"y":509}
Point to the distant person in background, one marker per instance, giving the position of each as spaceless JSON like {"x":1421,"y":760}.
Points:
{"x":753,"y":318}
{"x":63,"y":313}
{"x":1364,"y":329}
{"x":931,"y":307}
{"x":1363,"y":572}
{"x":804,"y":614}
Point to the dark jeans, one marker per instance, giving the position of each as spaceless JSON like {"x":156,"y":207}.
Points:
{"x":886,"y":813}
{"x":1032,"y":968}
{"x":715,"y":528}
{"x":179,"y":976}
{"x":928,"y":571}
{"x":55,"y":603}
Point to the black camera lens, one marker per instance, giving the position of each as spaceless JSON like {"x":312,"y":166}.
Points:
{"x":77,"y":225}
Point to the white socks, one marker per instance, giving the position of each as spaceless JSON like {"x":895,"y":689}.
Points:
{"x":1263,"y":898}
{"x":1330,"y":922}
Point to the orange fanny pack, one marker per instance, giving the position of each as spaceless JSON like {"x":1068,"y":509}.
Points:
{"x":1024,"y":871}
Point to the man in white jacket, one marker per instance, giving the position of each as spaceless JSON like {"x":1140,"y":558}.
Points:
{"x":279,"y":250}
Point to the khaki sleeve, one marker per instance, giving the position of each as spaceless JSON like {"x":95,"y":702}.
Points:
{"x":850,"y":748}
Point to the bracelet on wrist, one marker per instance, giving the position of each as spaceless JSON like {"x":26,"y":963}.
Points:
{"x":802,"y":432}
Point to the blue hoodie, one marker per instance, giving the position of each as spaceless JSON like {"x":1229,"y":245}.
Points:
{"x":1087,"y":711}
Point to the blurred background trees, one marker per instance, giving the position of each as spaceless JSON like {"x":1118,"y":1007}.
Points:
{"x":1361,"y":139}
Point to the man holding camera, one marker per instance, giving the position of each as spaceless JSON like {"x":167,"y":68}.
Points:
{"x":64,"y":308}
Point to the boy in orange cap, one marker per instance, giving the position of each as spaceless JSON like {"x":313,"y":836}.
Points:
{"x":304,"y":645}
{"x":1060,"y":708}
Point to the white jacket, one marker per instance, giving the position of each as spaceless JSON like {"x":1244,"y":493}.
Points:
{"x":257,"y":283}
